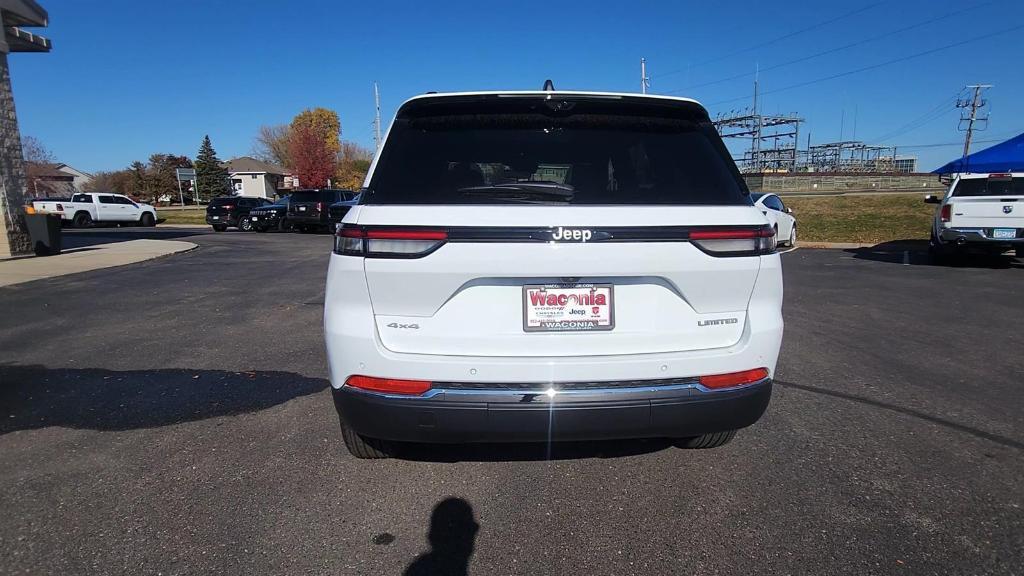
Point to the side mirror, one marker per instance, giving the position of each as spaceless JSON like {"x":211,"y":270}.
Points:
{"x":789,"y":210}
{"x":932,"y":199}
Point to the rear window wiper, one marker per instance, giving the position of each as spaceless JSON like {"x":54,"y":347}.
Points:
{"x":530,"y":191}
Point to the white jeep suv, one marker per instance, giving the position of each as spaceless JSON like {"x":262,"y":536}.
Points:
{"x":543,"y":266}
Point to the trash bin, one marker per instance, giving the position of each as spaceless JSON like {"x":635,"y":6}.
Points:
{"x":44,"y":230}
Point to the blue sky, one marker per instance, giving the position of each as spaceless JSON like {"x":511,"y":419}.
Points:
{"x":127,"y":79}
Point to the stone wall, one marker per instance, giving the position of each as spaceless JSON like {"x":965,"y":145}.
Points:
{"x":13,"y":237}
{"x":831,"y":183}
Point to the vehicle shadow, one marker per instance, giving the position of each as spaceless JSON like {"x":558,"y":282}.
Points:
{"x":915,"y":253}
{"x":36,"y":397}
{"x":528,"y":452}
{"x":452,"y":536}
{"x":79,"y":238}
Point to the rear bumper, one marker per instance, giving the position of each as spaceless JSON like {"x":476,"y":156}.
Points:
{"x":979,"y":238}
{"x":299,"y":218}
{"x":496,"y":415}
{"x":223,"y":220}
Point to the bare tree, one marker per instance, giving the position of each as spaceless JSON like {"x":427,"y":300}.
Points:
{"x":271,"y":144}
{"x":34,"y":151}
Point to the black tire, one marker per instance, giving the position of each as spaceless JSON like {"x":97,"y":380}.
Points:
{"x":713,"y":440}
{"x":1019,"y":252}
{"x":363,"y":447}
{"x":219,"y":227}
{"x":147,"y":220}
{"x":245,"y":224}
{"x":284,"y":225}
{"x":260,"y":228}
{"x":82,"y":220}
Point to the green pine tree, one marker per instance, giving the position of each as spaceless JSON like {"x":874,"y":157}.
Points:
{"x":211,"y":177}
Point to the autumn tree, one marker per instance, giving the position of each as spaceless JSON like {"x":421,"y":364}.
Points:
{"x":353,"y":164}
{"x":322,"y":122}
{"x":211,"y":176}
{"x":312,"y":159}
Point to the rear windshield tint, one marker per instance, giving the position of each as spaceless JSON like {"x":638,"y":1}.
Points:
{"x":990,"y":187}
{"x":583,"y":156}
{"x":222,"y":201}
{"x":310,"y":196}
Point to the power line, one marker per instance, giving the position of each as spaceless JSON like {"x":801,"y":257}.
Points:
{"x":774,"y":40}
{"x":932,"y":114}
{"x":879,"y":65}
{"x":833,"y":50}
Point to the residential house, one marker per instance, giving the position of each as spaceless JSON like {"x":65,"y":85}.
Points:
{"x":252,"y":177}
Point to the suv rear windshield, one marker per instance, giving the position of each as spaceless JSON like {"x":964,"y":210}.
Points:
{"x":990,"y":187}
{"x":583,"y":152}
{"x":328,"y":196}
{"x":222,"y":200}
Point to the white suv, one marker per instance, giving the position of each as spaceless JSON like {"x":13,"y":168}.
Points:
{"x":539,"y":266}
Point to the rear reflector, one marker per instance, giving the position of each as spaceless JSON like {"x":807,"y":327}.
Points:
{"x":387,"y":242}
{"x":732,"y":379}
{"x":388,"y":385}
{"x":734,"y":241}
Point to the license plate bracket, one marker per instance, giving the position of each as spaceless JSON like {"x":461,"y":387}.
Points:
{"x":572,"y":307}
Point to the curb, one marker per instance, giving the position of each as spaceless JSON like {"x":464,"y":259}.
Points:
{"x":835,"y":245}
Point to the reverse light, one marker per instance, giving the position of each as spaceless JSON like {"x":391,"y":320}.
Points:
{"x":733,"y":379}
{"x":387,"y":242}
{"x":734,"y":241}
{"x":947,"y":213}
{"x":389,"y":385}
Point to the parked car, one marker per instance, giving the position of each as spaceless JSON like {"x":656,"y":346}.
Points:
{"x":336,"y":212}
{"x":272,"y":216}
{"x":232,"y":211}
{"x":84,"y":210}
{"x":308,"y":208}
{"x":779,"y":216}
{"x":980,"y":213}
{"x":551,"y":266}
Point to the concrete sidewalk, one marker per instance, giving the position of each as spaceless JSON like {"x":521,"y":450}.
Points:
{"x":18,"y":270}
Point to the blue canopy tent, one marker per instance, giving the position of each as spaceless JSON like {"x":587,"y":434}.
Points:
{"x":1003,"y":157}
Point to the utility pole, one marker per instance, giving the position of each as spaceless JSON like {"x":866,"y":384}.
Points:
{"x":755,"y":144}
{"x":970,"y":114}
{"x":645,"y":82}
{"x":376,"y":118}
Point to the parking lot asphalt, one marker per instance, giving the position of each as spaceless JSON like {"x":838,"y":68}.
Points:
{"x":173,"y":417}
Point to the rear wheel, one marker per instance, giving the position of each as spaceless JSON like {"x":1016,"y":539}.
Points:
{"x":82,"y":220}
{"x":219,"y":227}
{"x":147,"y":220}
{"x":713,"y":440}
{"x":1019,"y":252}
{"x":245,"y":224}
{"x":363,"y":447}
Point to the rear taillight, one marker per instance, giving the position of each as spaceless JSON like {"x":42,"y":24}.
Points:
{"x":353,"y":240}
{"x":734,"y":241}
{"x":60,"y":207}
{"x":319,"y":206}
{"x":946,"y":214}
{"x":388,"y":385}
{"x":229,"y":206}
{"x":733,"y":379}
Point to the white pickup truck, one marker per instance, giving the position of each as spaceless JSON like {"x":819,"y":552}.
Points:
{"x":100,"y":207}
{"x":981,"y":213}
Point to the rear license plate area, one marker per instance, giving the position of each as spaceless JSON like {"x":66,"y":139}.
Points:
{"x":568,"y":307}
{"x":1004,"y":233}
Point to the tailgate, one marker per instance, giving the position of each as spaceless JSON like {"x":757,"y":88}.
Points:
{"x":468,"y":298}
